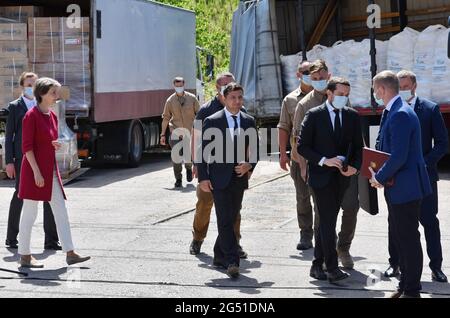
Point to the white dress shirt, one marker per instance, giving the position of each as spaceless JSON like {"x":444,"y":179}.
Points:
{"x":392,"y":101}
{"x":413,"y":102}
{"x":30,"y":103}
{"x":332,"y":117}
{"x":331,"y":110}
{"x":230,"y":121}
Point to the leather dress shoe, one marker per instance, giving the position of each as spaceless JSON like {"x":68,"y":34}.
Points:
{"x":30,"y":263}
{"x":195,"y":247}
{"x":218,"y":264}
{"x":410,"y":296}
{"x":392,"y":271}
{"x":396,"y":294}
{"x":337,"y":275}
{"x":11,"y":244}
{"x":72,"y":260}
{"x":438,"y":276}
{"x":233,"y":271}
{"x":242,"y":254}
{"x":53,"y":247}
{"x":317,"y":272}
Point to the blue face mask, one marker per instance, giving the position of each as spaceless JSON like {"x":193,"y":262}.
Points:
{"x":320,"y":85}
{"x":28,"y":92}
{"x":340,"y":102}
{"x":378,"y":101}
{"x":306,"y":80}
{"x":406,"y":95}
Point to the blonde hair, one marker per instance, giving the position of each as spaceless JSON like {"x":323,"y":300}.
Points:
{"x":388,"y":79}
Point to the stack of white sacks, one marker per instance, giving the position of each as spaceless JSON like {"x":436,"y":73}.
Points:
{"x":425,"y":53}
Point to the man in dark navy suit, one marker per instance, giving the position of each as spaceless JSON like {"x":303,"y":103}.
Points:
{"x":226,"y":163}
{"x":330,"y":136}
{"x":405,"y":179}
{"x":434,"y":147}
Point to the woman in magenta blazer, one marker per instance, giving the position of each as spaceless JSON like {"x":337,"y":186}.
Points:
{"x":40,"y":179}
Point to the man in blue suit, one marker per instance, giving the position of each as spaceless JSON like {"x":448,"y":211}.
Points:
{"x":404,"y":177}
{"x":224,"y":170}
{"x":434,"y":146}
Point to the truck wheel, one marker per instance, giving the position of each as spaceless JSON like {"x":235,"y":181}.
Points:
{"x":136,"y":143}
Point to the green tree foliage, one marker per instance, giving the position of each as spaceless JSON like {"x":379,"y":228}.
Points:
{"x":214,"y":21}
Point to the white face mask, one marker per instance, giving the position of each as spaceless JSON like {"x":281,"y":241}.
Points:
{"x":28,"y":92}
{"x":179,"y":90}
{"x":306,"y":80}
{"x":379,"y":101}
{"x":406,"y":95}
{"x":340,"y":102}
{"x":222,"y":90}
{"x":320,"y":86}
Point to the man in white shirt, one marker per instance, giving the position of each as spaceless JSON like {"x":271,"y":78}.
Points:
{"x":331,"y":141}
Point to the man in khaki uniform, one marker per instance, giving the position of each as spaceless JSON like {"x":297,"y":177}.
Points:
{"x":205,"y":200}
{"x":179,"y":114}
{"x":350,"y":204}
{"x":285,"y":135}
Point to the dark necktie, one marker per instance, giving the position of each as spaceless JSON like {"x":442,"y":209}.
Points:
{"x":236,"y":126}
{"x":378,"y":145}
{"x":337,"y":126}
{"x":383,"y":118}
{"x":235,"y":139}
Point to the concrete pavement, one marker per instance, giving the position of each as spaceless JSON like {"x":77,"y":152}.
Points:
{"x":118,"y":217}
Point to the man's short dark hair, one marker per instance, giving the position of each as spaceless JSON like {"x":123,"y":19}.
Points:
{"x":178,"y":79}
{"x":317,"y":66}
{"x":334,"y":81}
{"x":26,"y":75}
{"x":232,"y":87}
{"x":42,"y":86}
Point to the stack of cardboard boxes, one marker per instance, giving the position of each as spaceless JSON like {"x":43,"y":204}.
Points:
{"x":13,"y":59}
{"x":21,"y":14}
{"x":51,"y":47}
{"x":14,"y":48}
{"x":59,"y":48}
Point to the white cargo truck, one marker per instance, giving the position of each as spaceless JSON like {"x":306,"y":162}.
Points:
{"x":135,"y":49}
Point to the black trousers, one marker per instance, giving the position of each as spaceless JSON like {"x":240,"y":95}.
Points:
{"x":15,"y":210}
{"x":228,"y":203}
{"x":430,"y":223}
{"x":328,"y":201}
{"x":404,"y":226}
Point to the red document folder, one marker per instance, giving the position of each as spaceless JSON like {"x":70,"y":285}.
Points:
{"x":374,"y":159}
